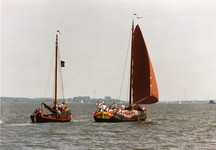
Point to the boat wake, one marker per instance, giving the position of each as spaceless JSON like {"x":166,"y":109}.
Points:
{"x":149,"y":121}
{"x":74,"y":121}
{"x":1,"y":122}
{"x":21,"y":124}
{"x":78,"y":120}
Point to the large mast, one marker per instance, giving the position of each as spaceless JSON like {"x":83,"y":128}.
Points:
{"x":131,"y":72}
{"x":56,"y":64}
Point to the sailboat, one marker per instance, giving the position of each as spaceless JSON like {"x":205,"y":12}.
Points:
{"x":56,"y":114}
{"x":143,"y":85}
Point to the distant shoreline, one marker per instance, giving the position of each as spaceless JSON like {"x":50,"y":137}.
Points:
{"x":79,"y":99}
{"x":87,"y":99}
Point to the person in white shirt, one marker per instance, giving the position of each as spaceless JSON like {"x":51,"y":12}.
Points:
{"x":98,"y":106}
{"x":114,"y":110}
{"x":110,"y":109}
{"x":104,"y":107}
{"x":114,"y":105}
{"x":63,"y":107}
{"x":122,"y":109}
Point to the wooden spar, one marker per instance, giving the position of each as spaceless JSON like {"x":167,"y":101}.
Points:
{"x":131,"y":73}
{"x":56,"y":58}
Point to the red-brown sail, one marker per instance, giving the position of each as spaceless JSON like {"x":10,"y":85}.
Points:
{"x":144,"y":84}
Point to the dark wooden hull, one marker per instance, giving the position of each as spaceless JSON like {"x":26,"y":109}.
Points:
{"x":49,"y":118}
{"x":120,"y":118}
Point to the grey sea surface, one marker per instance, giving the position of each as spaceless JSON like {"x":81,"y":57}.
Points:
{"x":168,"y":126}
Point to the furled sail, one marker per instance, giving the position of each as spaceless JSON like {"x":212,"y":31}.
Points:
{"x":49,"y":108}
{"x":144,"y":86}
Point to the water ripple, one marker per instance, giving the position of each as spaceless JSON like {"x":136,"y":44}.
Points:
{"x":168,"y":126}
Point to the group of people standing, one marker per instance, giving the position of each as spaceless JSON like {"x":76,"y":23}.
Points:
{"x":114,"y":108}
{"x":61,"y":108}
{"x":102,"y":107}
{"x":55,"y":108}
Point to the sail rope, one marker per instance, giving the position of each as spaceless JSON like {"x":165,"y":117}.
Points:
{"x":128,"y":90}
{"x":60,"y":70}
{"x":125,"y":67}
{"x":49,"y":74}
{"x":62,"y":85}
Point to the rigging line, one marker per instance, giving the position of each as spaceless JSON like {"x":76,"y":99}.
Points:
{"x":128,"y":90}
{"x":62,"y":85}
{"x":125,"y":67}
{"x":60,"y":68}
{"x":49,"y":74}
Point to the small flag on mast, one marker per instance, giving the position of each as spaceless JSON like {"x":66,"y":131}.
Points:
{"x":62,"y":63}
{"x":59,"y":32}
{"x":137,"y":16}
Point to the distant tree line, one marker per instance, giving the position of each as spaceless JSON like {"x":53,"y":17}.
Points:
{"x":84,"y":99}
{"x":87,"y":99}
{"x":25,"y":100}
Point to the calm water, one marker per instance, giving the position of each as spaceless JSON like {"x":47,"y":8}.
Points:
{"x":168,"y":126}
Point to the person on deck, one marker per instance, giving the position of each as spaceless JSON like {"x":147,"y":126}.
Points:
{"x":62,"y":107}
{"x":58,"y":111}
{"x":138,"y":107}
{"x":36,"y":111}
{"x":59,"y":107}
{"x":144,"y":109}
{"x":130,"y":107}
{"x":114,"y":110}
{"x":58,"y":115}
{"x":41,"y":112}
{"x":114,"y":105}
{"x":110,"y":109}
{"x":97,"y":106}
{"x":120,"y":110}
{"x":106,"y":109}
{"x":55,"y":105}
{"x":103,"y":107}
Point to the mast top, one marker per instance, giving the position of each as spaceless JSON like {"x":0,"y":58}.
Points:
{"x":59,"y":32}
{"x":132,"y":26}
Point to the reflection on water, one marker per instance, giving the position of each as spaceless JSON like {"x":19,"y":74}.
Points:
{"x":168,"y":126}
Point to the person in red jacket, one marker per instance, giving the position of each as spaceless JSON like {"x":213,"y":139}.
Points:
{"x":138,"y":107}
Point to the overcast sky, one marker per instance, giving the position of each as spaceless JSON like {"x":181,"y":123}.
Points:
{"x":180,"y":36}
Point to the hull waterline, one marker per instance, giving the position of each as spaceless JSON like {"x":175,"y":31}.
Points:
{"x":105,"y":117}
{"x":43,"y":119}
